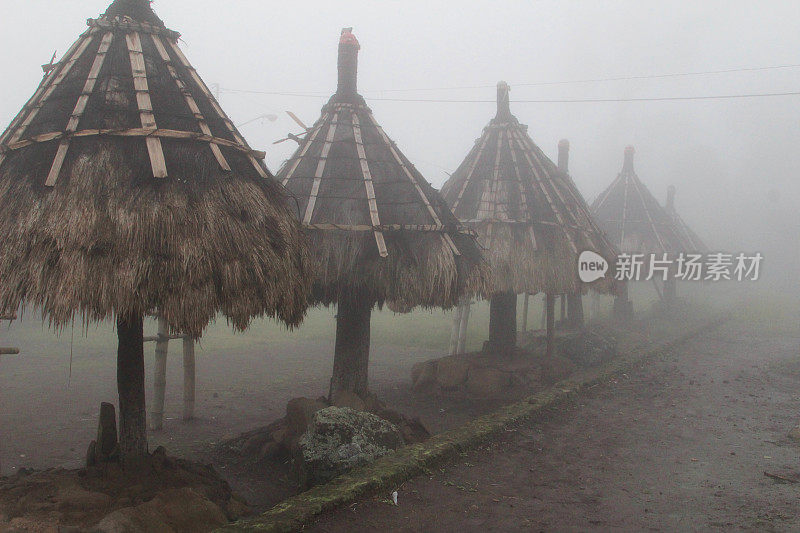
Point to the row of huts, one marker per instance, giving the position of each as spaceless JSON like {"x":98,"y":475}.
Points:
{"x":125,"y":190}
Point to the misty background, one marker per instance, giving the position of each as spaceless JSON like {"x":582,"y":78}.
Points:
{"x":734,"y":161}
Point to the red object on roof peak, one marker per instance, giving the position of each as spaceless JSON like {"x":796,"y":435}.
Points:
{"x":348,"y":38}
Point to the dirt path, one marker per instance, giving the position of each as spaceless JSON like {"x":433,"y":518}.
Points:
{"x":682,"y":444}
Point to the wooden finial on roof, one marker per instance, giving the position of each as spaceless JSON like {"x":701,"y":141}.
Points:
{"x":628,"y":163}
{"x":503,"y":107}
{"x":348,"y":63}
{"x":563,"y":155}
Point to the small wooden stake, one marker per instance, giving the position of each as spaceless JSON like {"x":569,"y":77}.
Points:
{"x":159,"y":376}
{"x":188,"y":378}
{"x":550,"y":308}
{"x":454,"y":334}
{"x":525,"y":313}
{"x":462,"y":329}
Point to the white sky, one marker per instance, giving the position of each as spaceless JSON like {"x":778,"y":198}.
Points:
{"x":724,"y":156}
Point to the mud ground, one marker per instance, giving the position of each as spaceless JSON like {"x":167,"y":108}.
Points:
{"x":680,"y":445}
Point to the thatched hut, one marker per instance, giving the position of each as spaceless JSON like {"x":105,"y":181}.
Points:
{"x":633,"y":219}
{"x":378,"y":231}
{"x":124,"y":188}
{"x":690,"y":241}
{"x":529,"y":216}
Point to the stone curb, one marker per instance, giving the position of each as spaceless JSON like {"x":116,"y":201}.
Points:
{"x":389,"y":471}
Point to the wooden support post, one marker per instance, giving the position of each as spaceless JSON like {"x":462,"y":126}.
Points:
{"x":503,"y":322}
{"x":130,"y":386}
{"x":454,"y":334}
{"x":670,"y":290}
{"x":351,"y":354}
{"x":525,"y":313}
{"x":543,"y":325}
{"x":462,"y":329}
{"x":550,"y":311}
{"x":188,"y":378}
{"x":575,"y":310}
{"x":159,"y":376}
{"x":623,"y":308}
{"x":563,"y":299}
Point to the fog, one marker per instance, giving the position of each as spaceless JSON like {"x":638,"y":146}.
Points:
{"x":734,"y":161}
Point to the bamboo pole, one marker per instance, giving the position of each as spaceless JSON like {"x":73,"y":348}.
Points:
{"x":550,"y":307}
{"x":454,"y":334}
{"x":160,"y":376}
{"x":525,"y":313}
{"x":462,"y":330}
{"x":188,"y":378}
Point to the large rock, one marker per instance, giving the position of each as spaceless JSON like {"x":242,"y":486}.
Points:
{"x":173,"y":510}
{"x":341,"y":438}
{"x":300,"y":413}
{"x":488,"y":382}
{"x":587,"y":348}
{"x":451,"y":372}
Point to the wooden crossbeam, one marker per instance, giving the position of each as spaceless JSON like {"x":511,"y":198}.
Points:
{"x":323,"y":159}
{"x":309,"y":141}
{"x":213,"y":101}
{"x":369,"y":186}
{"x":132,"y":132}
{"x":80,"y":107}
{"x":190,"y":101}
{"x":139,"y":72}
{"x":9,"y":351}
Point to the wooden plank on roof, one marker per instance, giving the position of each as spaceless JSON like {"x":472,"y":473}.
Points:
{"x":214,"y":104}
{"x":471,"y":170}
{"x":139,"y":72}
{"x":309,"y":141}
{"x":323,"y":159}
{"x":190,"y":101}
{"x":80,"y":107}
{"x":52,"y":81}
{"x":413,"y":180}
{"x":517,"y":137}
{"x":368,"y":185}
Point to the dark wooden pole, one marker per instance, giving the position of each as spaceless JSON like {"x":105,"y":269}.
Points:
{"x":550,"y":311}
{"x":351,"y":356}
{"x":503,"y":322}
{"x":575,"y":310}
{"x":130,"y":386}
{"x":623,"y":309}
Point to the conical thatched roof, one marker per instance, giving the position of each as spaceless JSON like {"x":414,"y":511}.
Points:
{"x":691,"y":242}
{"x":125,"y":187}
{"x":528,"y":214}
{"x":377,"y":227}
{"x":632,"y":217}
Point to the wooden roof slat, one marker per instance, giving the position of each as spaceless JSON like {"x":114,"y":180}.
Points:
{"x":323,"y":159}
{"x":649,"y":216}
{"x":473,"y":164}
{"x":80,"y":107}
{"x":368,"y":185}
{"x":305,"y":148}
{"x":201,"y":121}
{"x":213,"y":101}
{"x":139,"y":71}
{"x":413,"y":180}
{"x":47,"y":88}
{"x":547,"y":196}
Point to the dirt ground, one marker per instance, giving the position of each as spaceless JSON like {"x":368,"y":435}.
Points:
{"x":682,"y":444}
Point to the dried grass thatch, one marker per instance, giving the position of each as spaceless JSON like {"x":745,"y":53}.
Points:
{"x":377,"y":229}
{"x":530,"y":217}
{"x":633,"y":219}
{"x":86,"y":225}
{"x":691,"y":242}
